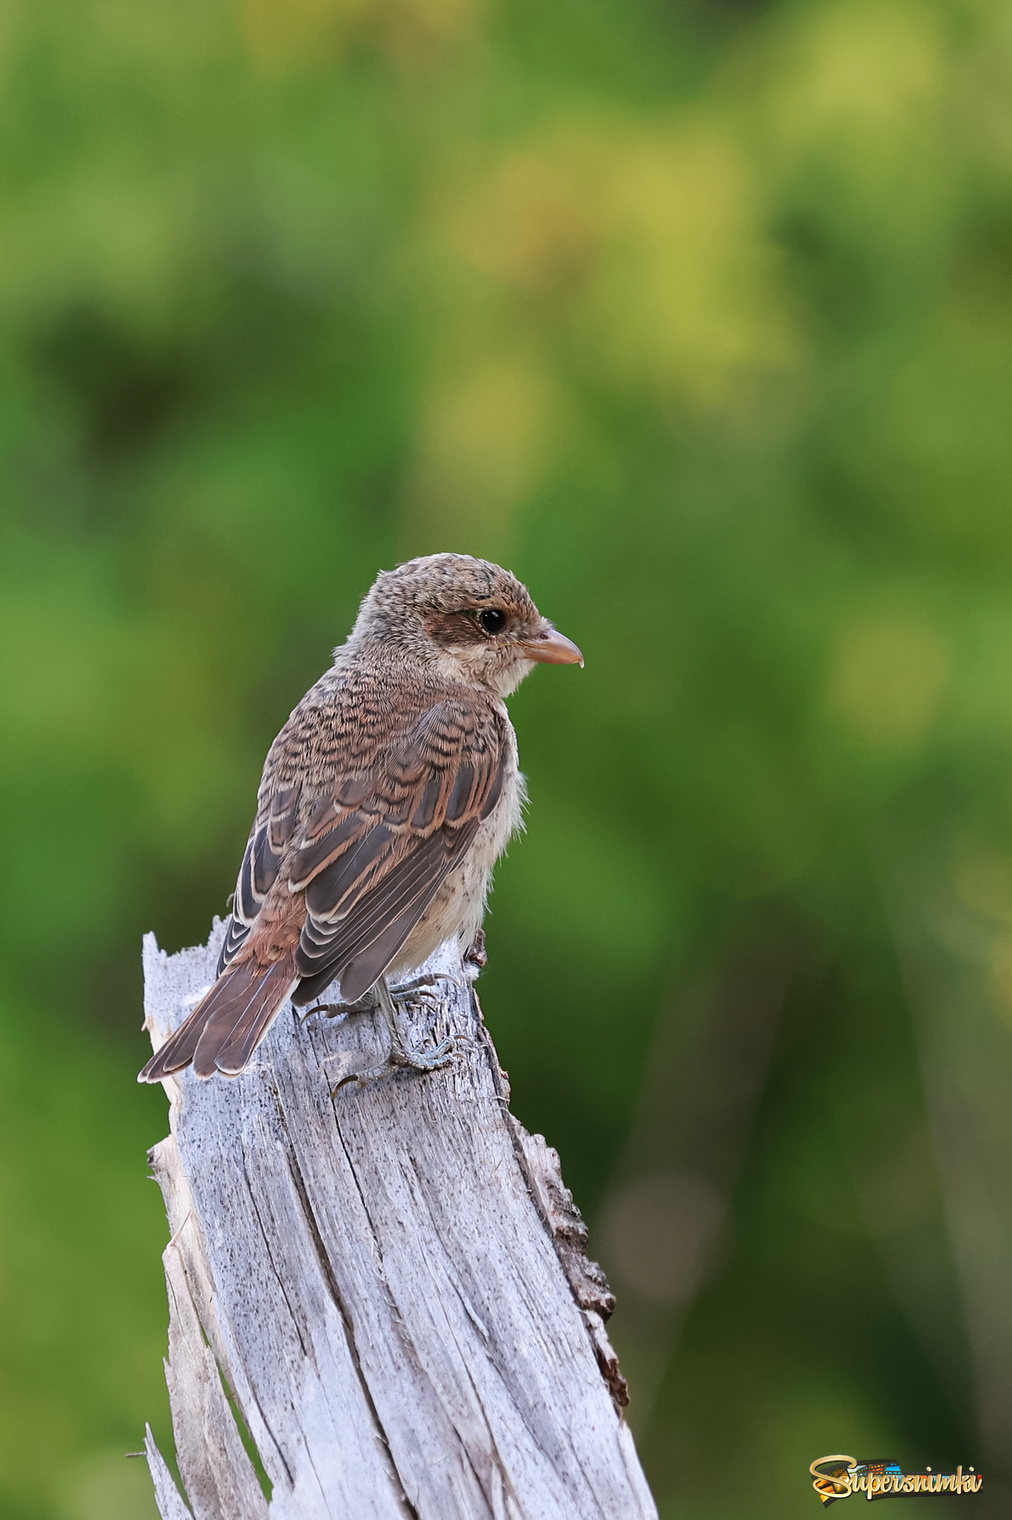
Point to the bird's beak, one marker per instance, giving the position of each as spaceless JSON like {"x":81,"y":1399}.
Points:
{"x":551,"y":647}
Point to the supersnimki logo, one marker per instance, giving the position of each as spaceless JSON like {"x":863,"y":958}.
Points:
{"x":838,"y":1477}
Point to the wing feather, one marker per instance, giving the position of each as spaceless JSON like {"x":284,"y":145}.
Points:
{"x":355,"y":833}
{"x":236,"y":934}
{"x":371,"y":846}
{"x":240,"y":1005}
{"x":229,"y":1040}
{"x":327,"y":950}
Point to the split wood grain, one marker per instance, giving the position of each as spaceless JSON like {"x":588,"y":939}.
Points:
{"x":387,"y":1282}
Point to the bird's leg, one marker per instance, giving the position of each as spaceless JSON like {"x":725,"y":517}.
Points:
{"x":404,"y":992}
{"x":399,"y":1053}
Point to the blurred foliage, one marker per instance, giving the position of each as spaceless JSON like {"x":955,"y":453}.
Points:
{"x":699,"y":316}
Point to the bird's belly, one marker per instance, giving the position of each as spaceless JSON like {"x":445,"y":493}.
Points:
{"x":457,"y":910}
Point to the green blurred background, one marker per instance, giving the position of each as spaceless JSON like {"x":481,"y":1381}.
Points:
{"x":697,"y":314}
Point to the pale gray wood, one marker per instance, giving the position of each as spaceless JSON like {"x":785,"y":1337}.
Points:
{"x":390,"y":1278}
{"x":219,"y":1477}
{"x":170,"y":1505}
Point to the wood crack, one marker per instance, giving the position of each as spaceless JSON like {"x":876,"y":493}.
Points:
{"x":334,"y":1288}
{"x":458,"y":1366}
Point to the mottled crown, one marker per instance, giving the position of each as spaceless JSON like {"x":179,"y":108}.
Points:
{"x":441,"y":583}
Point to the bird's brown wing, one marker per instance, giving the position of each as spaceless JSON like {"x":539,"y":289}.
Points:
{"x":275,"y":823}
{"x":369,"y":847}
{"x":375,"y":846}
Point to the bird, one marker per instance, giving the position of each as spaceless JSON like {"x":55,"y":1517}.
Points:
{"x":385,"y":801}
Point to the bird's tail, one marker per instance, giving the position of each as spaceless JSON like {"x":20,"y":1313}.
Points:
{"x":228,"y":1024}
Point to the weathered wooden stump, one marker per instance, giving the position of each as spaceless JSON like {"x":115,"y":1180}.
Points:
{"x":386,"y":1284}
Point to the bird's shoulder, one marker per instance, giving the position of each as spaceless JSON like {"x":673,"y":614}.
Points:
{"x":382,"y":723}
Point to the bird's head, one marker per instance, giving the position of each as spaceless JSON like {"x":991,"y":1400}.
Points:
{"x":468,"y":619}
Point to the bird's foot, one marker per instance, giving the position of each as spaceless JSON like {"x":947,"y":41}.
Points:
{"x":404,"y":992}
{"x":401,"y":1056}
{"x":432,"y":1059}
{"x":417,"y":990}
{"x":398,"y":1058}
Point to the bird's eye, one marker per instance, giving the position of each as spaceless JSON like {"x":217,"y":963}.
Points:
{"x":492,"y":620}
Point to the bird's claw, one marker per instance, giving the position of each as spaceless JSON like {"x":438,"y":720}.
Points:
{"x":418,"y":989}
{"x":403,"y":989}
{"x":433,"y":1059}
{"x":367,"y":1004}
{"x":399,"y":1058}
{"x":332,"y":1010}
